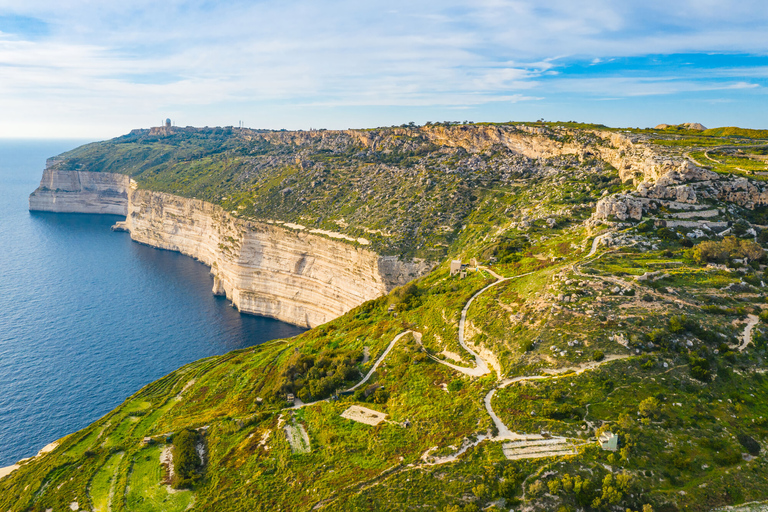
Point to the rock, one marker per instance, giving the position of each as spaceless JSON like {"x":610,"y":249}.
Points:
{"x":620,"y":206}
{"x":81,"y":192}
{"x":290,"y":274}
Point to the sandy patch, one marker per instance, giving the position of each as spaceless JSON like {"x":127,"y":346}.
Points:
{"x":46,"y":449}
{"x":452,"y":355}
{"x":8,"y":470}
{"x":364,"y":415}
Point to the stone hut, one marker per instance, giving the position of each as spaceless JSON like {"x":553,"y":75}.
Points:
{"x":608,"y":441}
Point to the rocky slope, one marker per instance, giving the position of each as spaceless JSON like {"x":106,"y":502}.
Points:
{"x":500,"y":384}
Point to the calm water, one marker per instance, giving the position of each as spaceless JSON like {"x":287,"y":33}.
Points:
{"x":87,"y":317}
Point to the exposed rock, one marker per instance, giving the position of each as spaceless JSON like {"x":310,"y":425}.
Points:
{"x":265,"y":269}
{"x":620,"y":206}
{"x":81,"y":192}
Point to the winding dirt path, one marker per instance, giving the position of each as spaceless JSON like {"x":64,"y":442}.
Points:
{"x":379,"y":360}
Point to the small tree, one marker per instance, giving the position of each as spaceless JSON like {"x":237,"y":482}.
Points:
{"x":649,"y":408}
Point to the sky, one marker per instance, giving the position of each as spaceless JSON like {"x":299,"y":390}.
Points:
{"x":97,"y":69}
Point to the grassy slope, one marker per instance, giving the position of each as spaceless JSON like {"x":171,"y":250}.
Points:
{"x":687,"y":440}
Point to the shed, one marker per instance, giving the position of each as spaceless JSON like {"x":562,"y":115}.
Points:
{"x":455,"y":267}
{"x":290,"y":398}
{"x":608,"y":441}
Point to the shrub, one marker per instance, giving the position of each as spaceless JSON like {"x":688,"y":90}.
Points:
{"x":536,"y":489}
{"x":598,"y":355}
{"x":455,"y":385}
{"x":380,"y":396}
{"x":666,"y":234}
{"x":729,"y":247}
{"x":186,"y":462}
{"x":700,"y":368}
{"x":749,"y":443}
{"x":649,"y":408}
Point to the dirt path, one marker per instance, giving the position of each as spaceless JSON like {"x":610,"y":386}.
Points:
{"x":481,"y":366}
{"x":379,"y":360}
{"x":746,"y":337}
{"x":596,"y":244}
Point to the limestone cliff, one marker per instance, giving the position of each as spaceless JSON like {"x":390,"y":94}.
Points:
{"x":81,"y":192}
{"x":291,"y":275}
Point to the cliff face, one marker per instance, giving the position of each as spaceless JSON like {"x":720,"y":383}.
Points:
{"x":294,"y":276}
{"x":81,"y":192}
{"x":264,"y":269}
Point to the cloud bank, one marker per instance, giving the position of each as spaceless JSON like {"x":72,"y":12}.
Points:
{"x":100,"y":68}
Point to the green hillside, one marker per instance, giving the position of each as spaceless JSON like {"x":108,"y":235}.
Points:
{"x":733,"y":131}
{"x":487,"y":391}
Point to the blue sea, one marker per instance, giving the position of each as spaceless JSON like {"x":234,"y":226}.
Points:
{"x":88,"y":317}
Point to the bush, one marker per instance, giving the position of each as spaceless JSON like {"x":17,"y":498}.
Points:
{"x":666,"y":234}
{"x":700,"y":369}
{"x":455,"y":385}
{"x":380,"y":396}
{"x":186,"y":462}
{"x":598,"y":355}
{"x":752,"y":446}
{"x":649,"y":408}
{"x":724,"y":250}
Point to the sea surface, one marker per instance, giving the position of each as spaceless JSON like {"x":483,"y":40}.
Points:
{"x":88,"y":317}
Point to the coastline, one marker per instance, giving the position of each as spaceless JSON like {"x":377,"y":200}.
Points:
{"x":7,"y":470}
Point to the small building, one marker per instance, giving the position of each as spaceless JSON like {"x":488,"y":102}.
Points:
{"x":473,"y":263}
{"x":455,"y":267}
{"x":608,"y":441}
{"x":391,"y":308}
{"x":290,"y":398}
{"x":147,"y":441}
{"x":463,"y":274}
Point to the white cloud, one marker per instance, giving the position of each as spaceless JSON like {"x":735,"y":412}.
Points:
{"x":120,"y":62}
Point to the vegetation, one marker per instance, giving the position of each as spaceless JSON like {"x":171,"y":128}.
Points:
{"x":642,"y":339}
{"x":187,"y":464}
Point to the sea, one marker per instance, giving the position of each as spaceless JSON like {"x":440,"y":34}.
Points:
{"x":88,"y":317}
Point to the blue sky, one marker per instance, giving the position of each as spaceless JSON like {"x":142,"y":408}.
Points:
{"x":96,"y":69}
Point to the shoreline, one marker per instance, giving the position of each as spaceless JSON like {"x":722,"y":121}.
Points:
{"x":7,"y":470}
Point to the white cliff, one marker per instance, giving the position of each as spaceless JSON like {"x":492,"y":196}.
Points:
{"x":265,"y":269}
{"x":81,"y":192}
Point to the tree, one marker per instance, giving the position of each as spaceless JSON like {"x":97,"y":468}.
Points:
{"x":536,"y":489}
{"x":649,"y":408}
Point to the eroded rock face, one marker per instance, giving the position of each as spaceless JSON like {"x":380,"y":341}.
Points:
{"x":264,"y":269}
{"x":81,"y":192}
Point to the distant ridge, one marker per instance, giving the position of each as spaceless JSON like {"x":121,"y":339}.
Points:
{"x":733,"y":131}
{"x":687,"y":126}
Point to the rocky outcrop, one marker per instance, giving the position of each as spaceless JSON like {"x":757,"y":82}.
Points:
{"x":619,"y":206}
{"x":81,"y":192}
{"x":265,"y":269}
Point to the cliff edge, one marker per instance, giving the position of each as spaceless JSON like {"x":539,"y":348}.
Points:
{"x":264,"y":269}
